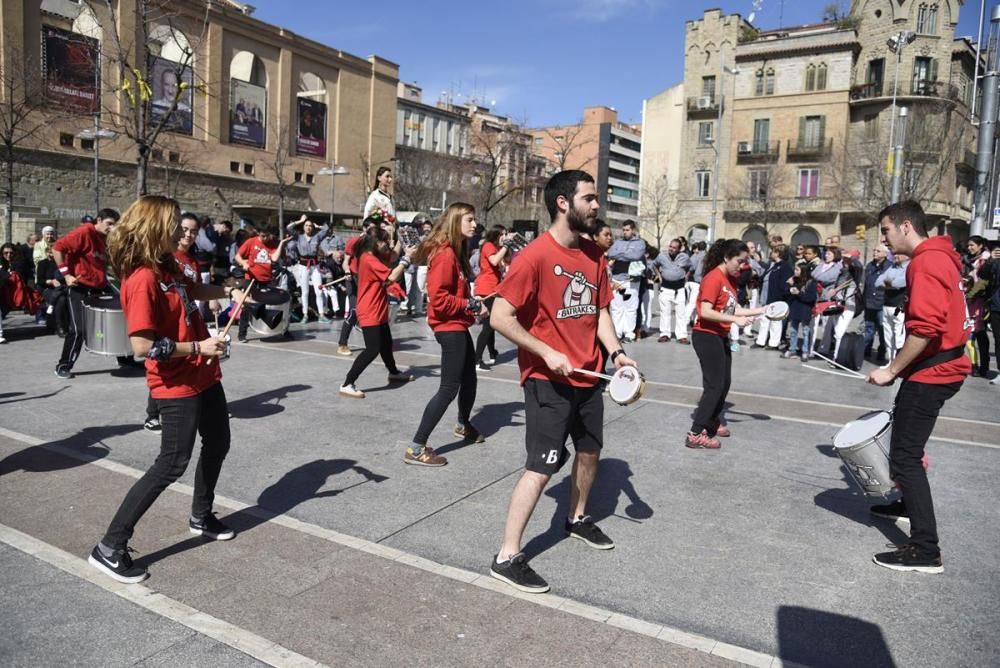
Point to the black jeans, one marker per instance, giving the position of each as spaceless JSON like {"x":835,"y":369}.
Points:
{"x":352,"y":317}
{"x":716,"y":362}
{"x":73,"y":343}
{"x":995,"y":326}
{"x":182,"y":420}
{"x":487,"y":339}
{"x":983,"y":346}
{"x":458,"y":379}
{"x":378,"y":342}
{"x":915,"y":412}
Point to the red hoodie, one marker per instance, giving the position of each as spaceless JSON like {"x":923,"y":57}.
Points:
{"x":448,"y":293}
{"x":935,"y":309}
{"x":85,"y":256}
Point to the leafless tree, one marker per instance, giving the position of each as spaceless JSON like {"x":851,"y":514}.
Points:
{"x":278,"y":163}
{"x":422,"y":176}
{"x":659,"y":206}
{"x":501,"y":174}
{"x":761,"y":192}
{"x":567,"y":140}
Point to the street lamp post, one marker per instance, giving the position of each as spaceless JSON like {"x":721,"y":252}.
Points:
{"x":96,"y":134}
{"x":896,"y":44}
{"x":718,"y":154}
{"x":333,"y":171}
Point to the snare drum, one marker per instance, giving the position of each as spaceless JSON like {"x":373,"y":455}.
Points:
{"x":275,"y":299}
{"x":626,"y":385}
{"x":105,"y":331}
{"x":864,"y":446}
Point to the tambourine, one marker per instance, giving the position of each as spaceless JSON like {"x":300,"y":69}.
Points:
{"x":229,"y":343}
{"x":776,"y":311}
{"x":409,"y":236}
{"x":625,"y":387}
{"x":515,"y":243}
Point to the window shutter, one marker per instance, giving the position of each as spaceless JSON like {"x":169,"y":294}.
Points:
{"x":933,"y":70}
{"x":810,"y":78}
{"x":822,"y":130}
{"x":802,"y":130}
{"x":821,"y":77}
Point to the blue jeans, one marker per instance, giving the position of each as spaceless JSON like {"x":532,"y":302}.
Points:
{"x":794,"y":335}
{"x":873,"y":326}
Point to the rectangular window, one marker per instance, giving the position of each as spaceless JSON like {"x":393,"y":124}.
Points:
{"x":705,"y":133}
{"x":924,"y":75}
{"x":868,"y":183}
{"x":703,"y":183}
{"x":173,"y":156}
{"x":157,"y":154}
{"x":760,"y":181}
{"x":234,"y":167}
{"x":810,"y":78}
{"x":298,"y":177}
{"x":248,"y":168}
{"x":708,"y":87}
{"x":871,"y":127}
{"x":310,"y":179}
{"x":761,"y":135}
{"x":769,"y":82}
{"x":66,"y":139}
{"x":809,"y":182}
{"x":87,"y":144}
{"x":821,"y":77}
{"x":758,"y":86}
{"x":811,"y":135}
{"x":876,"y":75}
{"x":911,"y":179}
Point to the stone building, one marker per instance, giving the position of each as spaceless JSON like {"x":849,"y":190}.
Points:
{"x":255,"y":101}
{"x":659,"y":176}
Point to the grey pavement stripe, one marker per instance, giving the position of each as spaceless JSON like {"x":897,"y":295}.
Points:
{"x":239,"y":639}
{"x":665,"y":633}
{"x":773,"y":416}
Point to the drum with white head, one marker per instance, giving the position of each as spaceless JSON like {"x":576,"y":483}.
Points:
{"x":627,"y":385}
{"x":863,"y":445}
{"x":776,"y":310}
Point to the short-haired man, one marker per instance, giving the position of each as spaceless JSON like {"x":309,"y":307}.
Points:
{"x":672,"y":268}
{"x":932,"y":364}
{"x":628,"y":264}
{"x":82,"y":259}
{"x":874,"y":298}
{"x":553,"y":304}
{"x":893,"y":303}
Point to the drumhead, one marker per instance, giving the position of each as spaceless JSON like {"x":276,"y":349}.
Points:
{"x":864,"y":429}
{"x":624,"y":385}
{"x":777,"y":310}
{"x":108,"y":302}
{"x":271,"y":296}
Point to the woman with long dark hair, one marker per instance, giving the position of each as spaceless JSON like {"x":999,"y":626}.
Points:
{"x":717,"y":310}
{"x":166,"y":327}
{"x":451,"y":311}
{"x":381,"y":196}
{"x":374,"y":254}
{"x":491,"y":261}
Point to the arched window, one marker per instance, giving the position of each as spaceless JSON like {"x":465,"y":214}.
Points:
{"x":769,"y":81}
{"x":927,"y":19}
{"x":821,"y":77}
{"x":806,"y":236}
{"x":810,"y":77}
{"x":756,"y":234}
{"x":758,"y":89}
{"x":248,"y":100}
{"x":697,"y":233}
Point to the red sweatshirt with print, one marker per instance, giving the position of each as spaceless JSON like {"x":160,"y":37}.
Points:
{"x":447,"y":292}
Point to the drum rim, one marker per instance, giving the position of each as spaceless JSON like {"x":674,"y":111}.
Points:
{"x":639,"y":383}
{"x":871,"y":438}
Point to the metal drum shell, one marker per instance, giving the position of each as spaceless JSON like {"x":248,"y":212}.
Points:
{"x":868,"y":460}
{"x":105,"y":329}
{"x":275,"y":299}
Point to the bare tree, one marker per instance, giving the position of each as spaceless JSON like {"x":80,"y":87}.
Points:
{"x":21,"y":121}
{"x":762,"y":192}
{"x":502,"y":165}
{"x":278,"y":163}
{"x":422,"y":176}
{"x":567,"y":140}
{"x":659,"y":205}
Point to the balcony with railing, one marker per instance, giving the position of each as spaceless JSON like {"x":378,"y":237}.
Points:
{"x":917,"y":88}
{"x":750,"y":152}
{"x":703,"y":105}
{"x":866,"y":91}
{"x":784,"y":204}
{"x":803,"y":150}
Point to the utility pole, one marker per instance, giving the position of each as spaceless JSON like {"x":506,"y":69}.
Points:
{"x":898,"y":157}
{"x":987,"y":133}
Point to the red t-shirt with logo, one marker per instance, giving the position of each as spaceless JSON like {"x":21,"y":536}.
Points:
{"x":188,"y":265}
{"x":717,"y":287}
{"x":161,"y":304}
{"x":559,"y":293}
{"x":85,"y":255}
{"x":373,"y":300}
{"x":258,"y":255}
{"x":352,"y":263}
{"x":489,"y":276}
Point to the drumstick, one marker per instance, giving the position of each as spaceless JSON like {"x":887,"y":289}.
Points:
{"x":833,"y":372}
{"x":239,"y":307}
{"x":342,"y":278}
{"x":851,"y":371}
{"x":593,"y":373}
{"x":559,"y":271}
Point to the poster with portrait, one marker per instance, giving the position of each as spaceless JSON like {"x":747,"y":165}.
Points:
{"x":71,"y":62}
{"x":311,"y":137}
{"x":247,"y":114}
{"x":165,"y":79}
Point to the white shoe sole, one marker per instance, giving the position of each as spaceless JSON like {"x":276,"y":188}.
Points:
{"x":902,"y":522}
{"x":527,"y":590}
{"x":351,"y":395}
{"x":593,"y":545}
{"x":213,"y":536}
{"x":115,"y":576}
{"x":916,"y":569}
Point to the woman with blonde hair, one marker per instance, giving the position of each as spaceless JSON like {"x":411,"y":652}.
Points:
{"x":166,"y":327}
{"x":450,"y":312}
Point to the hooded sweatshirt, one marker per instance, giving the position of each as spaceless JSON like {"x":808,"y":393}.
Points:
{"x":936,"y":310}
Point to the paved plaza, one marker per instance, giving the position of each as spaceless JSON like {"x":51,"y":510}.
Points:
{"x":759,"y":553}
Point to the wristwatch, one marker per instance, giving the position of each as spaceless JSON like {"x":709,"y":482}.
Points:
{"x":615,"y":355}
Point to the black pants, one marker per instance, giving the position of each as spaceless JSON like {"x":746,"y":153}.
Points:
{"x":351,"y":320}
{"x":73,"y":343}
{"x":152,"y":408}
{"x":995,"y":326}
{"x":873,"y":327}
{"x":182,"y":420}
{"x":983,"y":345}
{"x":458,"y":379}
{"x":378,"y":342}
{"x":487,"y":339}
{"x":716,"y":362}
{"x":915,"y":412}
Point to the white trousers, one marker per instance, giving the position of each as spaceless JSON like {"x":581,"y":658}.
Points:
{"x":769,"y":333}
{"x":840,"y":328}
{"x":691,"y":288}
{"x":673,"y":312}
{"x":307,"y":277}
{"x":892,"y":329}
{"x":334,"y":296}
{"x":647,"y":307}
{"x":624,"y":308}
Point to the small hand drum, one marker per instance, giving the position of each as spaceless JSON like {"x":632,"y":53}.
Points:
{"x":626,"y":386}
{"x":776,"y":311}
{"x":409,"y":237}
{"x":212,"y":331}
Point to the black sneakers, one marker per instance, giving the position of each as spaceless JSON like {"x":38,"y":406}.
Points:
{"x":909,"y":558}
{"x":152,"y":424}
{"x":585,"y":529}
{"x":118,"y":566}
{"x":469,"y":434}
{"x":210,"y":527}
{"x":518,"y":574}
{"x":895,"y":511}
{"x":64,"y":372}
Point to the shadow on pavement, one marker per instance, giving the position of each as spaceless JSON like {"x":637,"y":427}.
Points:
{"x":613,"y":479}
{"x":259,"y":405}
{"x":817,"y":638}
{"x":297,"y":486}
{"x":40,"y":396}
{"x":491,"y":418}
{"x":87,"y":446}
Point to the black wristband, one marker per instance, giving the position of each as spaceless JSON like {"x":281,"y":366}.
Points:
{"x":615,"y":355}
{"x":162,"y":349}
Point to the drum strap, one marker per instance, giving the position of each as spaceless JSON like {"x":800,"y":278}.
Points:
{"x":938,"y":358}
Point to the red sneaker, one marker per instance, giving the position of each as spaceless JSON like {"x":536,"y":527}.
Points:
{"x":719,"y":429}
{"x":702,"y":441}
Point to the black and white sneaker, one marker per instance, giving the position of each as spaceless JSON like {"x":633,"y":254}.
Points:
{"x":210,"y":527}
{"x":118,"y":566}
{"x":895,"y":511}
{"x":518,"y":574}
{"x":152,"y":424}
{"x":64,"y":372}
{"x":585,"y":529}
{"x":909,"y":558}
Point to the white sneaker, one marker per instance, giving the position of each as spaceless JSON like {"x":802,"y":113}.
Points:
{"x":352,"y":392}
{"x":995,"y":381}
{"x":2,"y":340}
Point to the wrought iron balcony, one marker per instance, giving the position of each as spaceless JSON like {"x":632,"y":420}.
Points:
{"x":703,"y":105}
{"x":803,"y":150}
{"x":757,"y":151}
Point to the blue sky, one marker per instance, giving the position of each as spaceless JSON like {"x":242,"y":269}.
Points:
{"x":540,"y":62}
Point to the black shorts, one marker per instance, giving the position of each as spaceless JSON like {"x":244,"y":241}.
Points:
{"x":555,"y":411}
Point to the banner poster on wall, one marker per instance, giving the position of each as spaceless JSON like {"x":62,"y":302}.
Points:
{"x":71,"y":62}
{"x":311,"y":137}
{"x":247,"y":114}
{"x":166,"y":86}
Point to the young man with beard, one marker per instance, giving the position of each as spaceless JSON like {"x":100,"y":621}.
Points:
{"x":932,"y":364}
{"x":553,"y":304}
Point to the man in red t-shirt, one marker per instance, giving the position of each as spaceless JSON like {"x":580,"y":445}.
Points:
{"x":932,"y":364}
{"x":553,"y":304}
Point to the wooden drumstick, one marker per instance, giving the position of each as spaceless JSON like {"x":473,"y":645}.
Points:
{"x":342,"y":278}
{"x":593,"y":373}
{"x":239,"y":307}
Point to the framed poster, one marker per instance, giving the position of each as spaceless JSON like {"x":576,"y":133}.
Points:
{"x":71,"y":69}
{"x":247,"y":114}
{"x":311,"y":136}
{"x":165,"y":79}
